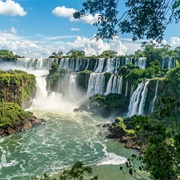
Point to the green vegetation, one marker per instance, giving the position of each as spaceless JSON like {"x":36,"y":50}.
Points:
{"x":120,"y":126}
{"x":108,"y":54}
{"x":56,"y":55}
{"x":134,"y":74}
{"x":82,"y":79}
{"x":161,"y":134}
{"x":77,"y":172}
{"x":170,"y":86}
{"x":76,"y":54}
{"x":8,"y":54}
{"x":17,"y":86}
{"x":144,"y":19}
{"x":53,"y":76}
{"x":12,"y":114}
{"x":105,"y":105}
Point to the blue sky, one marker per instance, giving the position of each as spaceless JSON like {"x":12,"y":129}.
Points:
{"x":36,"y":28}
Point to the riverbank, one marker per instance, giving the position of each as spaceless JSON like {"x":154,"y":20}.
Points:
{"x":14,"y":119}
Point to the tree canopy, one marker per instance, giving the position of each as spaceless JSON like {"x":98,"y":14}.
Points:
{"x":144,"y":19}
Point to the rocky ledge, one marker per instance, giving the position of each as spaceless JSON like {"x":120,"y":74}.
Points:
{"x":120,"y":135}
{"x":25,"y":124}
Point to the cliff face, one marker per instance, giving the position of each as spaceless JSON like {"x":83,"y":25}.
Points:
{"x":18,"y":87}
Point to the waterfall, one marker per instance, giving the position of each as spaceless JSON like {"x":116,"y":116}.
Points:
{"x":120,"y":83}
{"x":140,"y":62}
{"x":132,"y":89}
{"x":143,"y":99}
{"x":126,"y":91}
{"x":114,"y":86}
{"x":109,"y":85}
{"x":108,"y":65}
{"x":128,"y":60}
{"x":170,"y":63}
{"x":96,"y":84}
{"x":135,"y":100}
{"x":155,"y":96}
{"x":100,"y":65}
{"x":36,"y":63}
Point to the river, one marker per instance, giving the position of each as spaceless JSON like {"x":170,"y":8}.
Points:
{"x":65,"y":137}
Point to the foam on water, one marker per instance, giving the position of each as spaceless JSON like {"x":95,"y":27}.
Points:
{"x":112,"y":159}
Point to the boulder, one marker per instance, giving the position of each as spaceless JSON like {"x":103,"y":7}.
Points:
{"x":10,"y":130}
{"x":26,"y":125}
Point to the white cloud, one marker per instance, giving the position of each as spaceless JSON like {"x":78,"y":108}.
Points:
{"x":89,"y":19}
{"x":94,"y":47}
{"x":11,"y":8}
{"x":75,"y":29}
{"x":175,"y":41}
{"x":63,"y":12}
{"x":68,"y":13}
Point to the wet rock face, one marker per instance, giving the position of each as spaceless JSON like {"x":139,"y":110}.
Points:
{"x":17,"y":87}
{"x":22,"y":126}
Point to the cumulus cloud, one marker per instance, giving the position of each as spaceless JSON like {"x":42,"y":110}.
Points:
{"x":75,"y":29}
{"x":93,"y":47}
{"x":42,"y":46}
{"x":11,"y":8}
{"x":175,"y":41}
{"x":63,"y":11}
{"x":68,"y":13}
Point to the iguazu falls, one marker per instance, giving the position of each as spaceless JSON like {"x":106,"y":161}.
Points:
{"x":73,"y":122}
{"x":89,"y":90}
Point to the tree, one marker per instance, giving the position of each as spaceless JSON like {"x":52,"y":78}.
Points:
{"x":56,"y":55}
{"x":76,"y":172}
{"x":144,"y":19}
{"x":161,"y":135}
{"x":108,"y":53}
{"x":76,"y":54}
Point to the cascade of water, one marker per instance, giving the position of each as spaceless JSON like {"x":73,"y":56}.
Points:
{"x":87,"y":64}
{"x":120,"y":83}
{"x":143,"y":99}
{"x":62,"y":63}
{"x":96,"y":84}
{"x":35,"y":63}
{"x":108,"y":65}
{"x":114,"y":87}
{"x":135,"y":99}
{"x":72,"y":91}
{"x":170,"y":63}
{"x":128,"y":60}
{"x":109,"y":85}
{"x":140,"y":62}
{"x":155,"y":96}
{"x":132,"y":89}
{"x":99,"y":85}
{"x":100,"y":65}
{"x":126,"y":91}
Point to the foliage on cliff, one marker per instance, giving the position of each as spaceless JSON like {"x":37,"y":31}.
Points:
{"x":83,"y":79}
{"x":170,"y":86}
{"x":161,"y":134}
{"x":105,"y":105}
{"x":6,"y":54}
{"x":134,"y":74}
{"x":11,"y":114}
{"x":16,"y":86}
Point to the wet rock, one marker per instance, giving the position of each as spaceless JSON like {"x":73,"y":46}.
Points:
{"x":106,"y":125}
{"x":27,"y":125}
{"x":110,"y":135}
{"x":10,"y":130}
{"x":76,"y":110}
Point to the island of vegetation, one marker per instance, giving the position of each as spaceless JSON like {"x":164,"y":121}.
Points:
{"x":17,"y":88}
